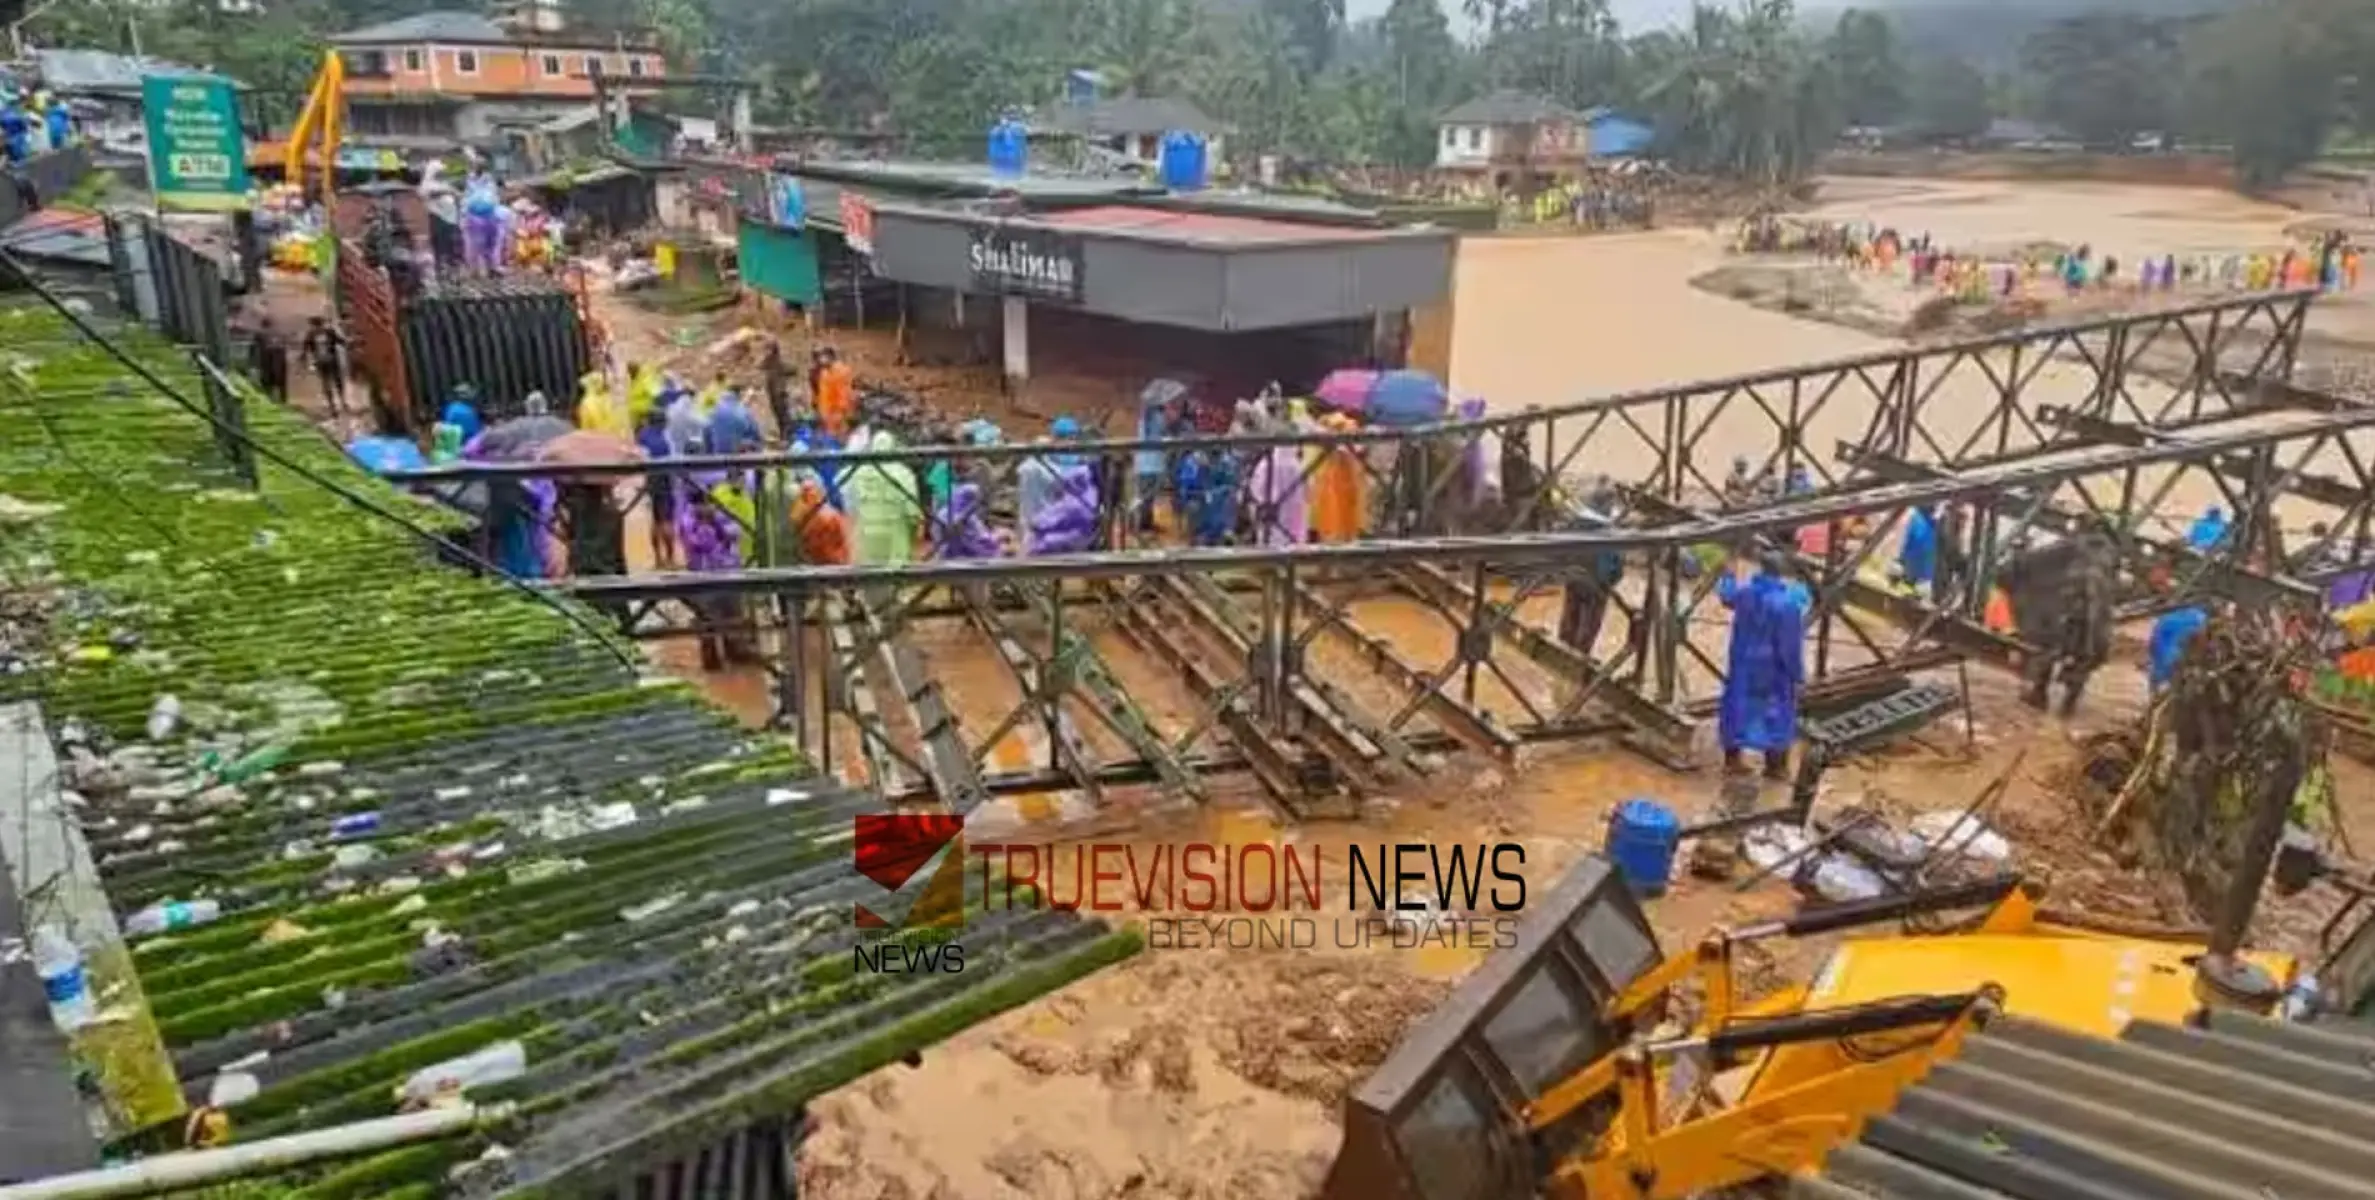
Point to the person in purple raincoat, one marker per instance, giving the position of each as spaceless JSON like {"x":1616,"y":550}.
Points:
{"x":1066,"y":524}
{"x":711,"y":541}
{"x":1282,"y":505}
{"x":958,"y":528}
{"x":518,"y":514}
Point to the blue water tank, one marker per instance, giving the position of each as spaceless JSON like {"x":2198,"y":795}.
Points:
{"x":1642,"y":836}
{"x":1010,"y":148}
{"x":1183,"y":165}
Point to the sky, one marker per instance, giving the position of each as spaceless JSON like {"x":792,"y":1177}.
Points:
{"x":1633,"y":15}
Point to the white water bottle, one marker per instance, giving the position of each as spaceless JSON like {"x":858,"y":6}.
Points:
{"x":59,"y":963}
{"x":158,"y":918}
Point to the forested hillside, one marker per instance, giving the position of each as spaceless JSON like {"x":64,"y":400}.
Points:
{"x":1749,"y":88}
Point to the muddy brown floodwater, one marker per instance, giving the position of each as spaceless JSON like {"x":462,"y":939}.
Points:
{"x":1218,"y":1073}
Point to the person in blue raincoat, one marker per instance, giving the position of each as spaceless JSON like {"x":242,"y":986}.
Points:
{"x":1765,"y":669}
{"x":1917,"y":555}
{"x":2170,"y":636}
{"x":461,"y":412}
{"x":16,"y":129}
{"x":2209,"y":531}
{"x":1206,"y":488}
{"x":61,"y":124}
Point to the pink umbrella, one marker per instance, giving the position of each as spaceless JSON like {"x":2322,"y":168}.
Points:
{"x":1347,"y":390}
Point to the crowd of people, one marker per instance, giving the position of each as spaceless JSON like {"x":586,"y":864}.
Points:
{"x":2333,"y":262}
{"x":34,"y":122}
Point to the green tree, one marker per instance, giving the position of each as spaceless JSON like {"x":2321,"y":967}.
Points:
{"x":1567,"y":50}
{"x":1948,"y":98}
{"x":1143,"y":45}
{"x":1862,"y":51}
{"x":1740,"y":94}
{"x":2269,"y":80}
{"x":2105,"y":76}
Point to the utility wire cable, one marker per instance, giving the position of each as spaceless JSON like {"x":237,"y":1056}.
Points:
{"x":425,"y":536}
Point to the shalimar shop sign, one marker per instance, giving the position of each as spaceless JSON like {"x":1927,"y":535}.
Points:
{"x":1026,"y":262}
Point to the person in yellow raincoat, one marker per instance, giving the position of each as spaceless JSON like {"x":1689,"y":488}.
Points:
{"x":643,"y":393}
{"x":1340,"y":487}
{"x":599,"y":411}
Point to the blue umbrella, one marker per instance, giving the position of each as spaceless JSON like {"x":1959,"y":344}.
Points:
{"x":1406,"y":398}
{"x":380,"y":455}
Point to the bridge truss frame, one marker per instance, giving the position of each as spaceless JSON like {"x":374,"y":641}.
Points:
{"x":2034,"y":433}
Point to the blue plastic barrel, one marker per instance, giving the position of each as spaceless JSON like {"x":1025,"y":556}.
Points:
{"x":1642,"y":836}
{"x":1010,"y":145}
{"x":1183,"y":161}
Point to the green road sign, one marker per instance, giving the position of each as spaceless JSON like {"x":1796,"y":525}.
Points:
{"x":197,"y":157}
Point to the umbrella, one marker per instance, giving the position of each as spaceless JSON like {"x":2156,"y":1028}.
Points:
{"x":1161,"y":392}
{"x":585,"y":448}
{"x":518,"y":438}
{"x":380,"y":455}
{"x":1347,"y":390}
{"x":1405,"y":398}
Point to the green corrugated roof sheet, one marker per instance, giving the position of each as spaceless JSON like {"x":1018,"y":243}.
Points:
{"x":672,"y":979}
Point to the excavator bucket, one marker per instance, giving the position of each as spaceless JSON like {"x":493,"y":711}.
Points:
{"x":1438,"y":1120}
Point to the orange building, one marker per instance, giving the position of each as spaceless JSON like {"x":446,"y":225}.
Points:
{"x":456,"y":77}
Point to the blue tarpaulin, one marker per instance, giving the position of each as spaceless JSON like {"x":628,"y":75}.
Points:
{"x":381,"y":455}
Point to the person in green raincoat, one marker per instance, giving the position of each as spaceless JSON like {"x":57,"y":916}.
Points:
{"x":883,"y":497}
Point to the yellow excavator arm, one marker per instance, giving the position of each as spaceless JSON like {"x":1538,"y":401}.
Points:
{"x":321,"y":122}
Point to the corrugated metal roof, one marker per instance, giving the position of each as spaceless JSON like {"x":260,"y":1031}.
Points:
{"x":1172,"y":225}
{"x":428,"y":27}
{"x":2238,"y":1107}
{"x":1506,"y":107}
{"x":1130,"y":116}
{"x":485,"y":828}
{"x":71,"y":71}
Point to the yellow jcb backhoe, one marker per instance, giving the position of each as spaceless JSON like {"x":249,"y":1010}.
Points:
{"x":2010,"y":1057}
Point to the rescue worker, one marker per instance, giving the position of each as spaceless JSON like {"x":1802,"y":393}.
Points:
{"x":2209,"y":530}
{"x":1583,"y":604}
{"x":776,"y":378}
{"x":1917,"y":555}
{"x":1339,"y":489}
{"x":461,"y":412}
{"x":1764,"y":669}
{"x":823,"y":532}
{"x":2170,"y":636}
{"x":1278,"y":486}
{"x":2061,"y":603}
{"x":1206,"y":487}
{"x":883,"y":496}
{"x":836,"y":389}
{"x":712,"y":541}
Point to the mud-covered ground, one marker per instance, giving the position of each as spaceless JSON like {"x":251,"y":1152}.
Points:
{"x":1218,"y":1073}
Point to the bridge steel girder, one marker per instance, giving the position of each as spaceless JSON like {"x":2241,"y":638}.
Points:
{"x":1672,"y":675}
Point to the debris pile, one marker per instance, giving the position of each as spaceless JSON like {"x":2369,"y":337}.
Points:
{"x":2175,"y":794}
